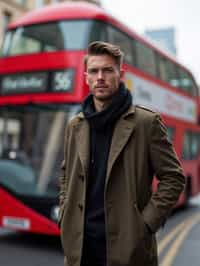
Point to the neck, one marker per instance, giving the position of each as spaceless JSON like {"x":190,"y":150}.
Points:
{"x":101,"y":105}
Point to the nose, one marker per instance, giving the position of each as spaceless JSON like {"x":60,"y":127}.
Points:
{"x":100,"y":74}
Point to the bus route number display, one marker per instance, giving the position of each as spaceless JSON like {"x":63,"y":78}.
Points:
{"x":24,"y":83}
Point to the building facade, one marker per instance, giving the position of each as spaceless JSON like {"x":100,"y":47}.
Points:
{"x":11,"y":10}
{"x":40,"y":3}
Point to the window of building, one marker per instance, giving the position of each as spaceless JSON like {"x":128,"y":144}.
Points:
{"x":39,"y":3}
{"x":146,"y":59}
{"x":21,"y":2}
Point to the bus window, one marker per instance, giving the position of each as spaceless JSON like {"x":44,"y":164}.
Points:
{"x":162,"y":68}
{"x":170,"y":133}
{"x":6,"y":43}
{"x":198,"y":140}
{"x":186,"y":82}
{"x":98,"y":32}
{"x":195,"y":145}
{"x":168,"y":71}
{"x":172,"y":75}
{"x":146,"y":60}
{"x":75,"y":34}
{"x":70,"y":35}
{"x":187,"y":146}
{"x":21,"y":40}
{"x":124,"y":42}
{"x":191,"y":145}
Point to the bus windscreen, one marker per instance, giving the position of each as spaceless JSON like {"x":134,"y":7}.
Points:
{"x":54,"y":36}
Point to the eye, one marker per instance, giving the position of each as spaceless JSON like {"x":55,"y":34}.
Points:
{"x":92,"y":71}
{"x":108,"y":70}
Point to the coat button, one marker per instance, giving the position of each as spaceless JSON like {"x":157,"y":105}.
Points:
{"x":80,"y":206}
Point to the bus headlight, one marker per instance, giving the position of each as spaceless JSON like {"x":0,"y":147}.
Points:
{"x":63,"y":80}
{"x":55,"y":213}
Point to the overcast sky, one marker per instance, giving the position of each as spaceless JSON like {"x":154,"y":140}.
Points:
{"x":184,"y":15}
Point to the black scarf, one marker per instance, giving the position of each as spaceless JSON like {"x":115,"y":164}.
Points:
{"x":99,"y":120}
{"x":101,"y":130}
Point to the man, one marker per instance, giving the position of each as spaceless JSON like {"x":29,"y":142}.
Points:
{"x":108,"y":214}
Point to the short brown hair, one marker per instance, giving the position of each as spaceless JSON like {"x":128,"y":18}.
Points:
{"x":104,"y":48}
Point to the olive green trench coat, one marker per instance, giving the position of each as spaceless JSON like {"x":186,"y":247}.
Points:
{"x":139,"y":150}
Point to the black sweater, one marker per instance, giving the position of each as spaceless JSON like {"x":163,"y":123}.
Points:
{"x":101,"y":130}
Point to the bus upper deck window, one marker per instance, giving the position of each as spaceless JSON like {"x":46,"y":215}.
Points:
{"x":54,"y":36}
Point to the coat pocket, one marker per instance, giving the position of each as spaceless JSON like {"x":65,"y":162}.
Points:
{"x":145,"y":244}
{"x":143,"y":227}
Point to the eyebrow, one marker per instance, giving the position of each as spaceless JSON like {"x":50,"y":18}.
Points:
{"x":101,"y":68}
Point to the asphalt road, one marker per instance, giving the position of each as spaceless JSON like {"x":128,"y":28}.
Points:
{"x":29,"y":250}
{"x":179,"y":240}
{"x":178,"y":243}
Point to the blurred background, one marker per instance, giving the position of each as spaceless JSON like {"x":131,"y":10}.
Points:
{"x":41,"y":71}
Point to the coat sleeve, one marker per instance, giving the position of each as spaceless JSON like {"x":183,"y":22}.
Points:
{"x":63,"y":178}
{"x":168,"y":171}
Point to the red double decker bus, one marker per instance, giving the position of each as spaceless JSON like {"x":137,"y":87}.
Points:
{"x":42,"y":85}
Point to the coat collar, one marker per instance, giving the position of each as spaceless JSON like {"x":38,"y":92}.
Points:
{"x":83,"y":141}
{"x":130,"y":111}
{"x":123,"y":129}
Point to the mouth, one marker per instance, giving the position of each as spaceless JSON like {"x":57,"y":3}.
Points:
{"x":101,"y":86}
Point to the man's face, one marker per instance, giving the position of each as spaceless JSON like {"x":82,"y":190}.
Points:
{"x":102,"y":76}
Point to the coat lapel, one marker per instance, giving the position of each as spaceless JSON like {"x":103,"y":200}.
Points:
{"x":82,"y":138}
{"x":123,"y":130}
